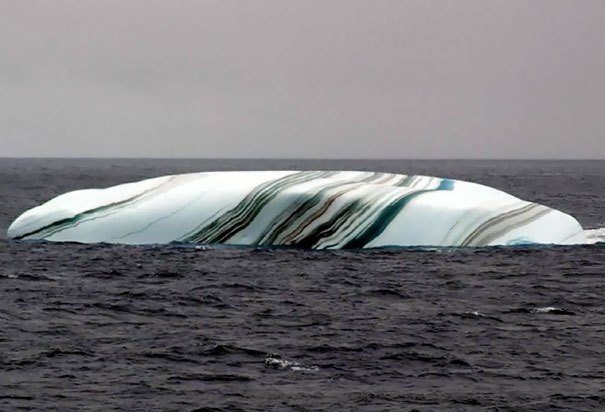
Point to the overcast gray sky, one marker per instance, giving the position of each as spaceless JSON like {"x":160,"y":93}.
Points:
{"x":303,"y":78}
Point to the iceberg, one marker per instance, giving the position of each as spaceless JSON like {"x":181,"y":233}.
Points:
{"x":305,"y":209}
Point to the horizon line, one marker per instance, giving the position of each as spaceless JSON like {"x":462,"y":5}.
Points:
{"x":301,"y":158}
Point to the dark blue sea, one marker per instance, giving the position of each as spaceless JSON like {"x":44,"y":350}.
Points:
{"x":183,"y":328}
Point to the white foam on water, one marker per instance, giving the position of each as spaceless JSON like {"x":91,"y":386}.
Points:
{"x":277,"y":363}
{"x":545,"y":310}
{"x":595,"y":235}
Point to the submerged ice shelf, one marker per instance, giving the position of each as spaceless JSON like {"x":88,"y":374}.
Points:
{"x":307,"y":209}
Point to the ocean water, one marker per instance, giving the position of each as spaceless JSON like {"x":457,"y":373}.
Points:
{"x":109,"y":327}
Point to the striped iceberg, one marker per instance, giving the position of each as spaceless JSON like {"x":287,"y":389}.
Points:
{"x":306,"y":209}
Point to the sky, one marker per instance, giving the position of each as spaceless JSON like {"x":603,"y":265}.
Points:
{"x":303,"y":78}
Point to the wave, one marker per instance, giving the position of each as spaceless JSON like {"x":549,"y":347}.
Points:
{"x":595,"y":235}
{"x":277,"y":363}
